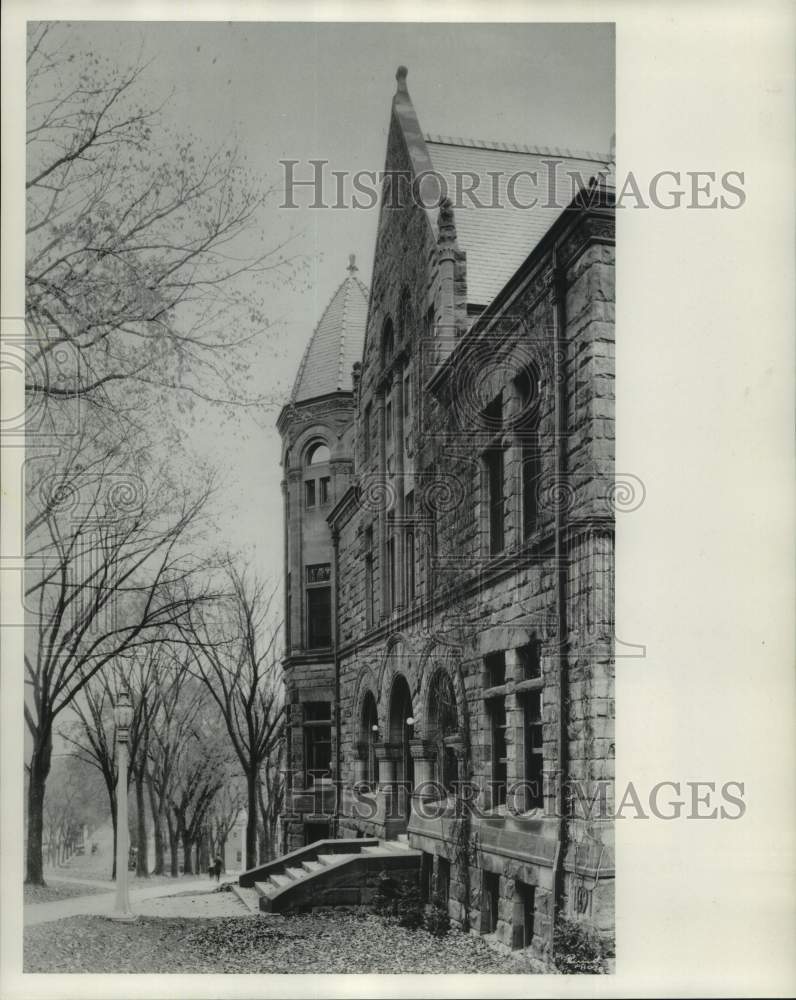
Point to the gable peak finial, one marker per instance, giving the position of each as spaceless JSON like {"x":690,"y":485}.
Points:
{"x":352,"y":264}
{"x":400,"y":76}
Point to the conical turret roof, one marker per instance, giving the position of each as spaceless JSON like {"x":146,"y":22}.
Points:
{"x":336,"y":344}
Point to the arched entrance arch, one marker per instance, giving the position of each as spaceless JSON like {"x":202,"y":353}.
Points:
{"x":368,"y":735}
{"x":401,"y":730}
{"x":443,"y":729}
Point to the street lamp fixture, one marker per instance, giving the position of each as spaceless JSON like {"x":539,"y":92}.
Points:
{"x":123,"y":717}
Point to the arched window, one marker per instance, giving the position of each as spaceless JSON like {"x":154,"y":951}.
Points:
{"x":317,"y":454}
{"x":317,"y":491}
{"x":443,"y":729}
{"x":369,"y":732}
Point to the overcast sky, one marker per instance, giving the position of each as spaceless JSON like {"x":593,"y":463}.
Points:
{"x":323,"y":91}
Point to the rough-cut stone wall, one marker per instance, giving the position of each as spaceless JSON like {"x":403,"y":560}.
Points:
{"x":309,"y":674}
{"x":469,"y":604}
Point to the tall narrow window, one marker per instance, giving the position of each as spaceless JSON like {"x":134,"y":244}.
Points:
{"x":366,"y":432}
{"x":309,"y":493}
{"x":370,"y":618}
{"x":323,"y":489}
{"x":496,"y":715}
{"x":534,"y":759}
{"x":317,"y":740}
{"x":492,"y":417}
{"x":409,"y":551}
{"x":391,"y":574}
{"x":388,"y":419}
{"x":288,"y":610}
{"x":431,"y":328}
{"x":319,"y":606}
{"x":531,"y":471}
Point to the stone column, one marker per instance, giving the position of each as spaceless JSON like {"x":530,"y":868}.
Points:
{"x":382,"y":522}
{"x":398,"y":481}
{"x":360,"y":765}
{"x":385,"y":756}
{"x":424,"y":757}
{"x":512,"y":467}
{"x":295,"y":502}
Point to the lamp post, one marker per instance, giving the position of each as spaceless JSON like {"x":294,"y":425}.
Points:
{"x":123,"y":717}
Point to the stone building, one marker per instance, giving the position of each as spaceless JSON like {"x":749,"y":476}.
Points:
{"x":448,"y":477}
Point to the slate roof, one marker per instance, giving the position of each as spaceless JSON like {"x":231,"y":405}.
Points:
{"x":498,"y":239}
{"x":336,"y":344}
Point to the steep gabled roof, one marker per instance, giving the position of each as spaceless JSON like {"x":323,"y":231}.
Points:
{"x":498,"y":234}
{"x":336,"y":343}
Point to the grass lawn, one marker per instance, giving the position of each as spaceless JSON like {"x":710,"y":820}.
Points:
{"x":329,"y":942}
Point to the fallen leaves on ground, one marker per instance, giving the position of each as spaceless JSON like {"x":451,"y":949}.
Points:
{"x":327,"y":942}
{"x":59,"y":890}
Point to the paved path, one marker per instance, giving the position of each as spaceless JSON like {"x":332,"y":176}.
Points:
{"x":101,"y":904}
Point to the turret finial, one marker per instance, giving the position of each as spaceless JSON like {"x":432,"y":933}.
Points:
{"x":400,"y":76}
{"x":352,"y":263}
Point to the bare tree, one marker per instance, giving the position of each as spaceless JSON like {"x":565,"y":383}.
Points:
{"x":227,"y":806}
{"x":101,"y":580}
{"x":181,"y":700}
{"x":234,"y":644}
{"x":271,"y":797}
{"x":202,"y":771}
{"x":141,"y":245}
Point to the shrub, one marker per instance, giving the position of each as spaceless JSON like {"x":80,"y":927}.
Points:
{"x":437,"y":920}
{"x":393,"y":899}
{"x":385,"y":896}
{"x":410,"y":908}
{"x":578,"y":948}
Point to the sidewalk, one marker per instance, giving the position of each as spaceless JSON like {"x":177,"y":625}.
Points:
{"x":101,"y":904}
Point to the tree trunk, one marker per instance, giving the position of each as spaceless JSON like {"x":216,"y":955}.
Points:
{"x":157,"y":821}
{"x":204,"y":852}
{"x":39,"y":769}
{"x":251,"y":819}
{"x":186,"y":854}
{"x":142,"y":860}
{"x":174,"y":848}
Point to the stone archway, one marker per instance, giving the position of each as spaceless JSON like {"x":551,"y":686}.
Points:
{"x":401,"y":731}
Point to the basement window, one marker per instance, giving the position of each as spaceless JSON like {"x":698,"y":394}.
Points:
{"x":490,"y":902}
{"x":524,"y":911}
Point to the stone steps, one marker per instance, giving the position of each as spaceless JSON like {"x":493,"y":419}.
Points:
{"x":312,"y":874}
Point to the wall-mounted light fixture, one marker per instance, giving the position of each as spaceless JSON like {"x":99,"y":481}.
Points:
{"x":410,"y":721}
